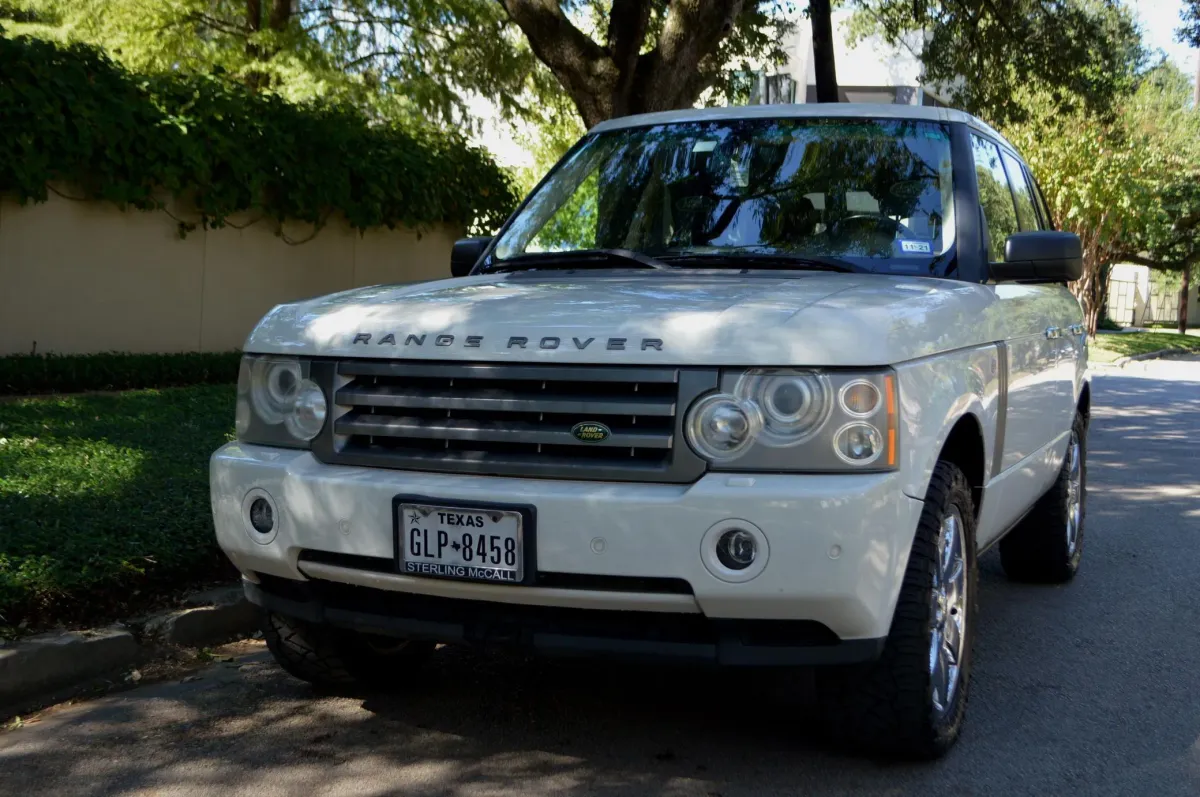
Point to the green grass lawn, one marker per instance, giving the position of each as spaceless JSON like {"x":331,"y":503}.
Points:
{"x":1106,"y":348}
{"x":104,"y":504}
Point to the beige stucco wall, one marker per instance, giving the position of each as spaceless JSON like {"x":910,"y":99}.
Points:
{"x":78,"y":277}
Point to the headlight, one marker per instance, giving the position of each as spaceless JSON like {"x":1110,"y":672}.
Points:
{"x":781,"y":419}
{"x":277,"y":404}
{"x":794,"y":404}
{"x":722,"y":427}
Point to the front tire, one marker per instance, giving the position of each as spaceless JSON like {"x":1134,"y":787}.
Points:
{"x":334,"y":658}
{"x":911,"y":701}
{"x":1046,"y":547}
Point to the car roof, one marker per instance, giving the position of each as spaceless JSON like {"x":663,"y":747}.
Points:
{"x":808,"y":110}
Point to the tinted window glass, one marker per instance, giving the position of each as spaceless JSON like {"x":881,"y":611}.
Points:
{"x":994,"y":196}
{"x":878,"y":192}
{"x":1026,"y":215}
{"x":1047,"y":222}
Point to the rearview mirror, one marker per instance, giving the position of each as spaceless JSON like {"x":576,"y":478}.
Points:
{"x":466,"y":251}
{"x":1041,"y":256}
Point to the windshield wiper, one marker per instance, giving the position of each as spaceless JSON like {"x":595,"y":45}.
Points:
{"x":578,"y":258}
{"x":763,"y":260}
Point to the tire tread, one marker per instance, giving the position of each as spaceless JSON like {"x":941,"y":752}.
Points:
{"x":885,"y":706}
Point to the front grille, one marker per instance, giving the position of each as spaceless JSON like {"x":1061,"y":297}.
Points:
{"x":514,"y":420}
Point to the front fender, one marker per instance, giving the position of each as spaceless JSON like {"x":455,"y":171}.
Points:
{"x":935,"y":392}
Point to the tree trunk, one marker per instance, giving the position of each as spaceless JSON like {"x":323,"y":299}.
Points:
{"x":1196,"y":89}
{"x":1183,"y":298}
{"x":1089,"y":289}
{"x":254,"y":79}
{"x":821,"y":18}
{"x":618,"y":78}
{"x":281,"y":12}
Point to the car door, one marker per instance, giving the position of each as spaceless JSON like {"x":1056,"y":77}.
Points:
{"x":1065,"y":316}
{"x":1030,"y":316}
{"x":1072,"y":350}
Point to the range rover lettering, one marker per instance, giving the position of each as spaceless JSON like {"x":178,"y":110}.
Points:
{"x":748,"y":387}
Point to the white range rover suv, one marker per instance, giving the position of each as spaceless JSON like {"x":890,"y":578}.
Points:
{"x":745,"y":386}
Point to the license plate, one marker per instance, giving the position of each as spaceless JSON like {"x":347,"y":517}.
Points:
{"x":458,"y":542}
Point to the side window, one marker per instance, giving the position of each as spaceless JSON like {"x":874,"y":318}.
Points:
{"x":994,"y":196}
{"x":1023,"y":192}
{"x":1040,"y":201}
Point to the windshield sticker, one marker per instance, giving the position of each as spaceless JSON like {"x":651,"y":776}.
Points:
{"x":916,"y":247}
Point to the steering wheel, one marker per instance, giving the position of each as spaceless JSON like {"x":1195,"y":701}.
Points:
{"x":881,"y":223}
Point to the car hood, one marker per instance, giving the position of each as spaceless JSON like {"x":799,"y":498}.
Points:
{"x":710,"y":318}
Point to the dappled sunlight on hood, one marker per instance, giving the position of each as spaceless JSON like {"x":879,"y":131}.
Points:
{"x":682,"y":318}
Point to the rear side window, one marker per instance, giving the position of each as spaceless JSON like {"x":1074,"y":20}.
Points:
{"x":1023,"y":191}
{"x":1040,"y":201}
{"x":995,"y":197}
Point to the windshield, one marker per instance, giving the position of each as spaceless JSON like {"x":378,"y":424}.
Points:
{"x":875,"y":192}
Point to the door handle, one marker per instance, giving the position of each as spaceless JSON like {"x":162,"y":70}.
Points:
{"x":1053,"y":332}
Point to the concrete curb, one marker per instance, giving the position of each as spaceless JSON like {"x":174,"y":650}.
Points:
{"x":216,"y":616}
{"x":46,"y":662}
{"x":1161,"y":354}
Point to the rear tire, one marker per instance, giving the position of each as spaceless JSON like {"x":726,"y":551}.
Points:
{"x":1047,"y":545}
{"x":911,"y":701}
{"x":334,"y":658}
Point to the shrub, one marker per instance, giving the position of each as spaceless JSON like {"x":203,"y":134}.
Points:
{"x":73,"y":116}
{"x":25,"y":374}
{"x":104,"y":502}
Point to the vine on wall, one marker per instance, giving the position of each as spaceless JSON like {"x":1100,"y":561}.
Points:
{"x":70,"y":115}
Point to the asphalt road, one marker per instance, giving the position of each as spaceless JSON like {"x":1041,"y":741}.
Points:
{"x":1092,"y":688}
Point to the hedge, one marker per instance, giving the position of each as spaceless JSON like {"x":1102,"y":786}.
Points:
{"x":25,"y":374}
{"x":72,"y":116}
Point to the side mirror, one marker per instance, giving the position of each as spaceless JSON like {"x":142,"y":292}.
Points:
{"x":466,"y":251}
{"x":1042,"y":256}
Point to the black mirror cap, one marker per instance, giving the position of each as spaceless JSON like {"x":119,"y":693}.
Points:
{"x":1040,"y":256}
{"x":465,"y":254}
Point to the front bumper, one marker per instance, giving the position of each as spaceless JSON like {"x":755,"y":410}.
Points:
{"x":837,"y":548}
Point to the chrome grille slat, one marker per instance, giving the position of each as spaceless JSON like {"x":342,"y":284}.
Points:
{"x":357,"y":422}
{"x":535,"y":373}
{"x":511,"y":420}
{"x":458,"y":398}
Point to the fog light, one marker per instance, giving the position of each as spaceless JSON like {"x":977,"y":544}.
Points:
{"x":736,"y":549}
{"x":262,"y":517}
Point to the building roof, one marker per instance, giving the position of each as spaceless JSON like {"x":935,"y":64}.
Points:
{"x":808,"y":110}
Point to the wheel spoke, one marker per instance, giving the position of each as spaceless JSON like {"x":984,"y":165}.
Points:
{"x":949,"y":602}
{"x":1074,"y":493}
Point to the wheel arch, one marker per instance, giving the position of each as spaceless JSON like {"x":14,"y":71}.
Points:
{"x":1085,"y":402}
{"x":964,"y":447}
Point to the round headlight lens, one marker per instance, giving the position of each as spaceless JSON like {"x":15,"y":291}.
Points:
{"x":858,"y":443}
{"x":794,"y":404}
{"x":721,"y":427}
{"x":860,"y":399}
{"x":274,"y":385}
{"x":308,"y":411}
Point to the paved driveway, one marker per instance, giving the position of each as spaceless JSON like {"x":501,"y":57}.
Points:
{"x":1092,"y":688}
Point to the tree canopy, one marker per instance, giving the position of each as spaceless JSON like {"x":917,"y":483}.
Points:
{"x":986,"y":55}
{"x":428,"y":58}
{"x":1129,"y":185}
{"x":1189,"y":31}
